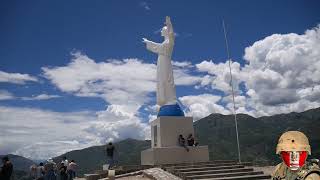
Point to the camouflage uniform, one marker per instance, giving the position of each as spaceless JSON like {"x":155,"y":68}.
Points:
{"x":295,"y":141}
{"x":310,"y":171}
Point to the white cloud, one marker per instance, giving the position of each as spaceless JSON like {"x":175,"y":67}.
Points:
{"x":182,"y":64}
{"x":127,"y":82}
{"x":184,"y":77}
{"x":200,"y":106}
{"x":40,"y":97}
{"x":5,"y":95}
{"x":219,"y":75}
{"x":16,"y":78}
{"x":40,"y":134}
{"x":282,"y":75}
{"x":118,"y":82}
{"x":24,"y":127}
{"x":118,"y":122}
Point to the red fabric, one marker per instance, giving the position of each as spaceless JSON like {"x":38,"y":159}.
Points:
{"x":286,"y":157}
{"x":303,"y":157}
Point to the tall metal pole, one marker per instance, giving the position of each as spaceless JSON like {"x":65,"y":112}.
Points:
{"x":231,"y":84}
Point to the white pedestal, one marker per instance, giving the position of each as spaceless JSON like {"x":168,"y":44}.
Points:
{"x":164,"y":143}
{"x":174,"y":155}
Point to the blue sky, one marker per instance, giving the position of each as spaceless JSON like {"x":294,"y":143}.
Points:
{"x":61,"y":62}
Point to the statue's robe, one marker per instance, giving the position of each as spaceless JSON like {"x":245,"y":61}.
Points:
{"x":166,"y":91}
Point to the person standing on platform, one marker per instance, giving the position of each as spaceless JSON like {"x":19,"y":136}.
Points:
{"x":110,"y":153}
{"x":33,"y":171}
{"x":63,"y":171}
{"x":49,"y":168}
{"x":65,"y":161}
{"x":6,"y":169}
{"x":72,"y":170}
{"x":40,"y":172}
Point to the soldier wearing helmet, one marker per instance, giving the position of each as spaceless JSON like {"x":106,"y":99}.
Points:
{"x":293,"y":147}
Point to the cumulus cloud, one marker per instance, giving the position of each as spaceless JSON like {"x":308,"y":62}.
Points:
{"x":283,"y":71}
{"x":203,"y":105}
{"x":118,"y":82}
{"x":5,"y":95}
{"x":16,"y":78}
{"x":24,"y":127}
{"x":282,"y":75}
{"x":218,"y":76}
{"x":182,"y":64}
{"x":40,"y":134}
{"x":40,"y":97}
{"x":126,"y":82}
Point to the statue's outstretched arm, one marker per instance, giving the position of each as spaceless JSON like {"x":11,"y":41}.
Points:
{"x":152,"y":46}
{"x":170,"y":28}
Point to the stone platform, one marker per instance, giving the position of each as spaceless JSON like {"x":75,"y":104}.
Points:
{"x":165,"y":149}
{"x":174,"y":155}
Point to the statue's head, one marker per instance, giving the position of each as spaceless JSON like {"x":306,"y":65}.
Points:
{"x":164,"y":32}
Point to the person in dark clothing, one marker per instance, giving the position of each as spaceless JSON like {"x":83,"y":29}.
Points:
{"x":63,"y":172}
{"x":6,"y":169}
{"x":40,"y":172}
{"x":110,"y":152}
{"x":182,"y":142}
{"x":191,"y":141}
{"x":50,"y":168}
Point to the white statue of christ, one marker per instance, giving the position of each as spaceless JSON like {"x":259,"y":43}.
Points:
{"x":166,"y":91}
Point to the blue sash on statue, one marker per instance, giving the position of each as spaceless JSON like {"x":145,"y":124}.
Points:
{"x":170,"y":110}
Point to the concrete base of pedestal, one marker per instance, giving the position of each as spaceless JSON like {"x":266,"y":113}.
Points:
{"x":174,"y":155}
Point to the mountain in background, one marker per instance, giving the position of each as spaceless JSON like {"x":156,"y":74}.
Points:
{"x":92,"y":158}
{"x":19,"y":162}
{"x":258,"y":136}
{"x":21,"y":166}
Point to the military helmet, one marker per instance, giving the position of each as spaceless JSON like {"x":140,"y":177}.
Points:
{"x":293,"y":141}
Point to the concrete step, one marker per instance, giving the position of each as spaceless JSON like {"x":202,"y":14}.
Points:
{"x":232,"y":174}
{"x":224,"y":161}
{"x":208,"y":168}
{"x":92,"y":176}
{"x":259,"y":176}
{"x":209,"y":164}
{"x":220,"y":171}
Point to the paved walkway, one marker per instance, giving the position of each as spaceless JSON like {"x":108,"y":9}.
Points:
{"x":137,"y":177}
{"x":160,"y":174}
{"x":266,"y":169}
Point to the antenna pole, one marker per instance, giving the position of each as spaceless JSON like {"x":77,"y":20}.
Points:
{"x":232,"y":90}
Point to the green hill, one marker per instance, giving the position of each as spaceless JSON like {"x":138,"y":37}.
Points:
{"x":92,"y":158}
{"x":258,"y":136}
{"x":21,"y":166}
